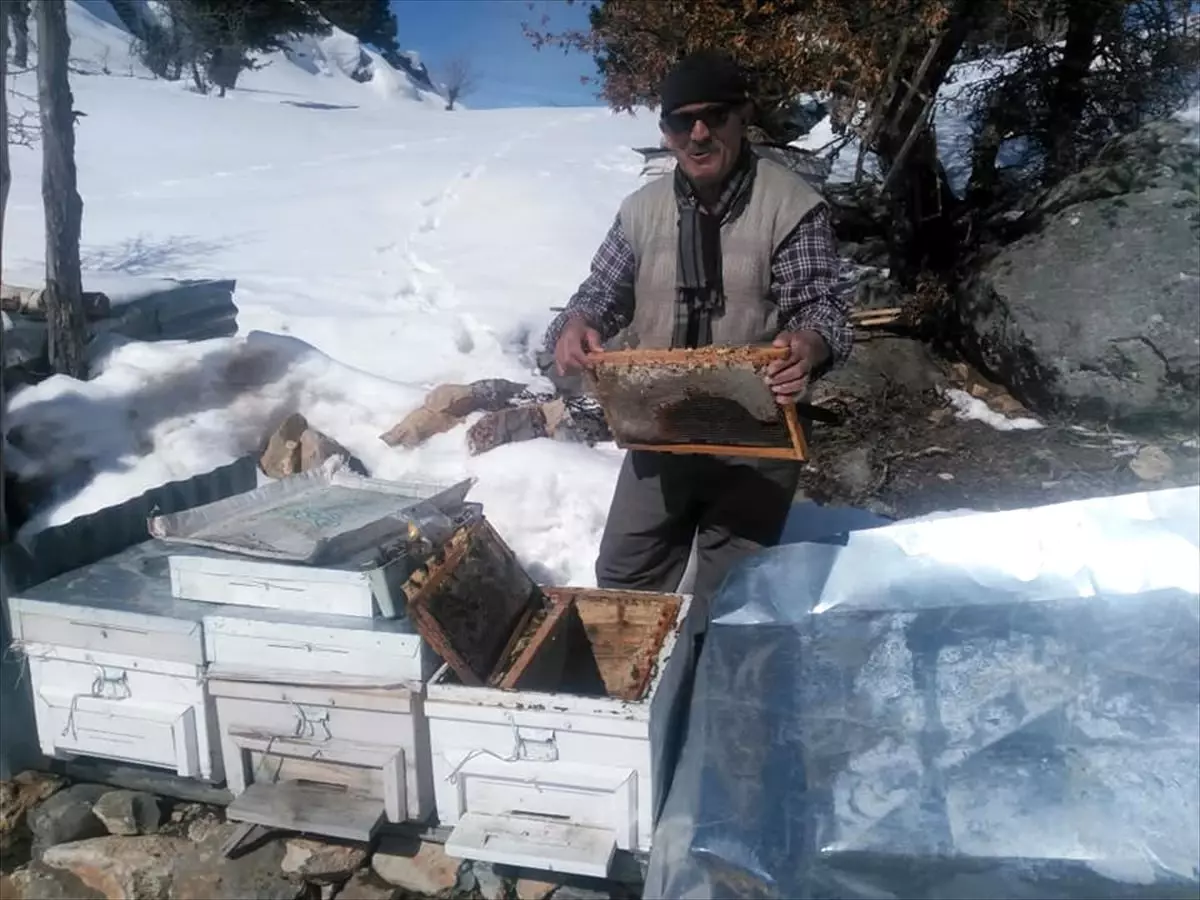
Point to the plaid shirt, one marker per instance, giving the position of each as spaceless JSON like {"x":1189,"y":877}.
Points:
{"x":804,"y":285}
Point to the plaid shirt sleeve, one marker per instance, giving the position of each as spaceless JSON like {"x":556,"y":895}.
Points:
{"x":804,"y":284}
{"x":605,"y":299}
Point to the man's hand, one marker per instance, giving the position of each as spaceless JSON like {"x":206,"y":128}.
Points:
{"x":788,"y":377}
{"x":576,"y":340}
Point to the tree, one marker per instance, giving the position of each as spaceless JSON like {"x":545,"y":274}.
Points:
{"x":5,"y":171}
{"x":60,"y":197}
{"x":886,"y":57}
{"x":1103,"y":69}
{"x":371,"y":21}
{"x":213,"y":41}
{"x":460,"y":80}
{"x":18,"y":14}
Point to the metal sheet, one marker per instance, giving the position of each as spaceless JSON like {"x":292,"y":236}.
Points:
{"x":323,"y":514}
{"x":990,"y":705}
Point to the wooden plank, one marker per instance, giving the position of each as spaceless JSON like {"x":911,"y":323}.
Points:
{"x":538,"y":665}
{"x":537,"y":843}
{"x":308,"y":808}
{"x":139,"y":778}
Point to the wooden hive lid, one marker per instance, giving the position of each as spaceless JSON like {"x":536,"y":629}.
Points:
{"x":711,"y":400}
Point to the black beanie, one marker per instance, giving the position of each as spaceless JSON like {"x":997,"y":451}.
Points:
{"x":706,"y":76}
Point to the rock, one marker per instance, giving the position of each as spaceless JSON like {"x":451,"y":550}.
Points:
{"x":1094,"y":315}
{"x":364,"y":885}
{"x":281,"y":457}
{"x":417,"y":427}
{"x":316,"y":447}
{"x":490,"y":884}
{"x":414,"y":865}
{"x":321,"y":861}
{"x":876,"y":367}
{"x":1160,"y":152}
{"x":17,"y":798}
{"x":128,"y":812}
{"x":122,"y":867}
{"x":875,"y":290}
{"x":582,"y":892}
{"x":206,"y":872}
{"x":855,"y":471}
{"x":506,"y":426}
{"x":1152,"y":464}
{"x":295,"y":446}
{"x":160,"y":866}
{"x":41,"y":882}
{"x":67,"y":816}
{"x":532,"y":889}
{"x":558,"y":419}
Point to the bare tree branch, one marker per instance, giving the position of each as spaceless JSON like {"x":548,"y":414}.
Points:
{"x":459,"y":78}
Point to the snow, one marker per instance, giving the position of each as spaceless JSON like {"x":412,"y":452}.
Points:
{"x":972,"y":408}
{"x":380,"y":245}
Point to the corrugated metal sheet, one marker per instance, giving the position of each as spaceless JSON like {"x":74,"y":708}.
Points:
{"x":192,"y":310}
{"x":78,"y":543}
{"x":91,"y":538}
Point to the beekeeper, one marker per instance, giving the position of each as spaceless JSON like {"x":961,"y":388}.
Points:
{"x":730,"y":249}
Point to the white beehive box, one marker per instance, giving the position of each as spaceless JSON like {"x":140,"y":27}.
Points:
{"x":326,"y":759}
{"x":116,"y":665}
{"x":321,"y":720}
{"x":571,"y":765}
{"x":364,"y":590}
{"x":324,"y":541}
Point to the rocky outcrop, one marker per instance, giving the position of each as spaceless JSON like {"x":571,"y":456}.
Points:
{"x":186,"y":856}
{"x":1095,"y":315}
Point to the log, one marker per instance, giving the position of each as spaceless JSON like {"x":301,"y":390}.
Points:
{"x":31,"y":302}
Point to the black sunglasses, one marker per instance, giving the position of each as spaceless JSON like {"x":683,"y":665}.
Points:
{"x":683,"y":122}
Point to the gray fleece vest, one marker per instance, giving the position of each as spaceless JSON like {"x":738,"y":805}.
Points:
{"x":650,"y":220}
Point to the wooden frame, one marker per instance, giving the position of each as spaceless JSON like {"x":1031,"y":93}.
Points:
{"x":439,"y":586}
{"x":756,"y":358}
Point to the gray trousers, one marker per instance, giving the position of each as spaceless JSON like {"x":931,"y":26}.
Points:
{"x":731,"y":508}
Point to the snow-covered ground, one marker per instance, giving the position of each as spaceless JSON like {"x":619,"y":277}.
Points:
{"x":389,"y":245}
{"x":380,"y":246}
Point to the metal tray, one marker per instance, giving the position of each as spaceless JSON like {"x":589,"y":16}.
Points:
{"x":324,"y":514}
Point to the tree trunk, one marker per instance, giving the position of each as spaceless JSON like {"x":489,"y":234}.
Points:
{"x":1069,"y":94}
{"x":5,"y":181}
{"x":64,"y":208}
{"x":197,"y":78}
{"x":5,"y":171}
{"x":923,"y":207}
{"x":18,"y":11}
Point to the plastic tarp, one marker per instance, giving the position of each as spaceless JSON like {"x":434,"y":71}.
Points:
{"x":996,"y":705}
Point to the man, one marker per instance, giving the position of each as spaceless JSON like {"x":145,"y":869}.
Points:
{"x":730,"y":249}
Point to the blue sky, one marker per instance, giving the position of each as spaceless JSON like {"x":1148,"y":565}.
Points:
{"x":488,"y":32}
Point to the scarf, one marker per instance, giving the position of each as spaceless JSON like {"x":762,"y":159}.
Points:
{"x":701,"y":293}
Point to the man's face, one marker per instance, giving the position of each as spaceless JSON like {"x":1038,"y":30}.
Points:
{"x":704,"y":139}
